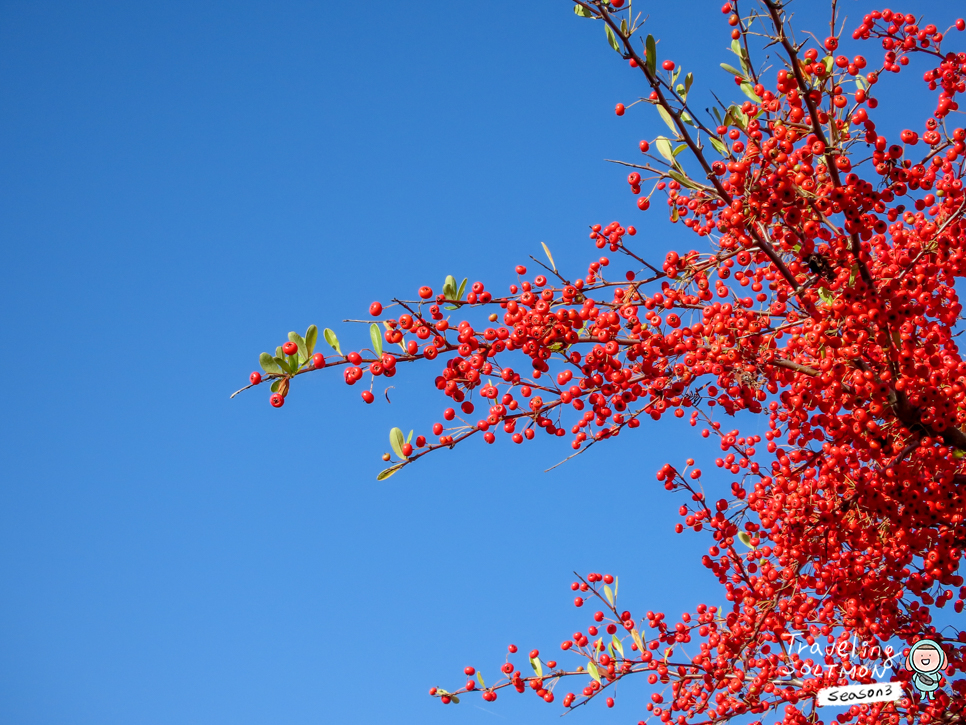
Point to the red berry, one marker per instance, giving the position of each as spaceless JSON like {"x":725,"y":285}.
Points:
{"x":469,"y":671}
{"x":425,"y":292}
{"x":645,"y":146}
{"x":354,"y":357}
{"x":277,"y":400}
{"x":668,"y":65}
{"x":368,"y":396}
{"x":619,"y":109}
{"x":961,"y":24}
{"x":318,"y":360}
{"x":534,"y":653}
{"x":521,"y":269}
{"x":375,"y":309}
{"x":255,"y":377}
{"x":608,"y":579}
{"x":610,"y":702}
{"x":290,"y":348}
{"x":512,"y":648}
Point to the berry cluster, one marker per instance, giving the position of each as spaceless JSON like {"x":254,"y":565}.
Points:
{"x":823,"y":301}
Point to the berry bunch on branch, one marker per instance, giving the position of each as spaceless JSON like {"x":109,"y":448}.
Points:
{"x":821,"y":297}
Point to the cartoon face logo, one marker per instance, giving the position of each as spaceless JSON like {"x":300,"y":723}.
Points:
{"x":926,"y":660}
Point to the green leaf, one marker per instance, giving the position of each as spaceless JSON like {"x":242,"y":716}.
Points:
{"x":449,"y":287}
{"x":383,"y":475}
{"x":717,"y":115}
{"x":537,"y":666}
{"x":686,"y":118}
{"x":624,"y":27}
{"x":282,"y":362}
{"x":331,"y":339}
{"x":582,"y":12}
{"x":736,"y":47}
{"x":637,"y":640}
{"x":276,"y":384}
{"x":455,"y":699}
{"x":651,"y":59}
{"x":745,"y":538}
{"x":311,"y":335}
{"x":375,"y":334}
{"x":268,"y":363}
{"x":409,"y":437}
{"x":618,"y":645}
{"x":592,"y":671}
{"x":732,"y":70}
{"x":718,"y":145}
{"x":826,"y":297}
{"x":679,"y":149}
{"x":546,"y":250}
{"x":664,"y":148}
{"x":675,"y":74}
{"x":861,"y":82}
{"x":674,"y":214}
{"x":303,"y":350}
{"x":749,"y":91}
{"x":459,"y":292}
{"x":688,"y":80}
{"x":480,"y":678}
{"x":611,"y":38}
{"x":610,"y":651}
{"x":396,"y":441}
{"x":617,"y":581}
{"x":828,"y":64}
{"x":609,"y":595}
{"x":683,"y":180}
{"x":667,"y":119}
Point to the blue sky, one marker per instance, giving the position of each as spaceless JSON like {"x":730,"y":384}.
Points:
{"x":181,"y":186}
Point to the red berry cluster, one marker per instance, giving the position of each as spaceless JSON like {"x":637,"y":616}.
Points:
{"x":822,"y":304}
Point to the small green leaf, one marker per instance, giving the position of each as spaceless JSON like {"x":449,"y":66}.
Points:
{"x":664,"y":148}
{"x":331,"y":339}
{"x":303,"y":350}
{"x":610,"y":651}
{"x":592,"y":671}
{"x":651,"y":59}
{"x":686,"y":118}
{"x":282,"y":362}
{"x":449,"y":287}
{"x":480,"y":678}
{"x":375,"y":334}
{"x":732,"y":70}
{"x":624,"y":27}
{"x":675,"y":74}
{"x":736,"y":47}
{"x":618,"y":645}
{"x":383,"y":475}
{"x":537,"y":666}
{"x":718,"y":145}
{"x":683,"y":180}
{"x":637,"y":640}
{"x":582,"y":12}
{"x":611,"y":38}
{"x":674,"y":214}
{"x":667,"y":119}
{"x":609,"y":595}
{"x":276,"y":384}
{"x":409,"y":437}
{"x":546,"y":250}
{"x":745,"y":538}
{"x":268,"y":363}
{"x":679,"y":149}
{"x":396,"y":441}
{"x":311,"y":335}
{"x":459,"y":292}
{"x":828,"y":64}
{"x":861,"y":82}
{"x":455,"y":699}
{"x":617,"y":581}
{"x":688,"y":80}
{"x":749,"y":91}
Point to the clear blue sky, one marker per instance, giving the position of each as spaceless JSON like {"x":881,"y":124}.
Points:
{"x":181,"y":184}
